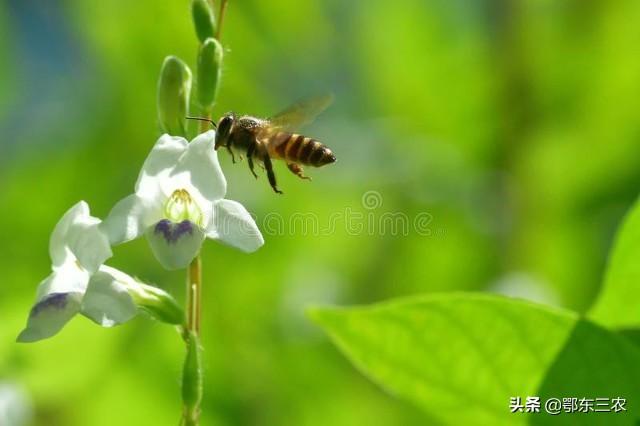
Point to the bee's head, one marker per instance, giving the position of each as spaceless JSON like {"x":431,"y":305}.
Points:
{"x":224,"y":129}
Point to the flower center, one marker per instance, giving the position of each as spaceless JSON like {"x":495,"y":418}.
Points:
{"x":181,"y":207}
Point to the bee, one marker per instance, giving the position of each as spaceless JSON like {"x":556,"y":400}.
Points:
{"x":266,"y":139}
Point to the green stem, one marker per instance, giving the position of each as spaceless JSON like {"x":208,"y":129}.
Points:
{"x":194,"y":274}
{"x":192,"y":373}
{"x":223,"y":8}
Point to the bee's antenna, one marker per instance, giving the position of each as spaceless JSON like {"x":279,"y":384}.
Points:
{"x":213,"y":123}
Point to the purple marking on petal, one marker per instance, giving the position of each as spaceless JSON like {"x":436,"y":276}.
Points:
{"x":172,"y":232}
{"x":164,"y":227}
{"x":54,"y":300}
{"x":184,"y":227}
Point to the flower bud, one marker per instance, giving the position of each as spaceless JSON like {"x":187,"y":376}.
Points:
{"x":192,"y":377}
{"x":173,"y":96}
{"x":209,"y":67}
{"x":203,"y":19}
{"x":160,"y":304}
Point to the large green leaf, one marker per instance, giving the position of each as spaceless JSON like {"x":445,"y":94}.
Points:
{"x":461,"y":357}
{"x":618,"y":304}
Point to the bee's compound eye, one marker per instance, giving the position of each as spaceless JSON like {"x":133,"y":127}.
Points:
{"x":224,"y":127}
{"x":225,"y":124}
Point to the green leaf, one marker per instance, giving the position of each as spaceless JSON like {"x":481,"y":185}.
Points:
{"x":203,"y":19}
{"x":460,"y":357}
{"x":209,"y":70}
{"x":618,"y":304}
{"x":173,"y":96}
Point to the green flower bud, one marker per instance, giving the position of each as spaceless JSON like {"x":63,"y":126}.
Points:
{"x":159,"y":304}
{"x":203,"y":19}
{"x":192,"y":379}
{"x":209,"y":70}
{"x":173,"y":96}
{"x":155,"y":301}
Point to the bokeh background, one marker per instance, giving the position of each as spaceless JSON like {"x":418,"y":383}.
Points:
{"x":514,"y":124}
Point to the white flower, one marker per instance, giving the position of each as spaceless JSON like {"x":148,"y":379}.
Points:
{"x":79,"y":283}
{"x":178,"y":202}
{"x":15,"y":405}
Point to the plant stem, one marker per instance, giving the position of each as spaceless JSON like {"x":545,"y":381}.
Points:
{"x":223,"y":8}
{"x":194,"y":277}
{"x":192,"y":372}
{"x":194,"y":304}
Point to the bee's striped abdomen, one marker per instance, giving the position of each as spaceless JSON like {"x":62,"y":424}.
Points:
{"x":301,"y":149}
{"x":295,"y":143}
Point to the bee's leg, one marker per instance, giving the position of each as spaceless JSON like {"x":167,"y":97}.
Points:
{"x":250,"y":151}
{"x":272,"y":177}
{"x":297,"y":170}
{"x":228,"y":146}
{"x":233,"y":157}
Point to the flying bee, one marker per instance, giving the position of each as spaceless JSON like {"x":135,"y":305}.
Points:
{"x":265,"y":139}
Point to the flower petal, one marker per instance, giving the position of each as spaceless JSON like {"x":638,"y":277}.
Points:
{"x":160,"y":161}
{"x":49,"y":315}
{"x":58,"y":242}
{"x":129,"y":218}
{"x":233,"y":225}
{"x":107,"y":301}
{"x":200,"y":168}
{"x":68,"y":278}
{"x":77,"y":233}
{"x":155,"y":301}
{"x":91,"y":247}
{"x":175,"y":245}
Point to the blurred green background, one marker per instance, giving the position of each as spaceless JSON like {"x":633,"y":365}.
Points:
{"x":514,"y":124}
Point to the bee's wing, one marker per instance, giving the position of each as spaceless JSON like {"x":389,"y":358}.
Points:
{"x":300,"y":113}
